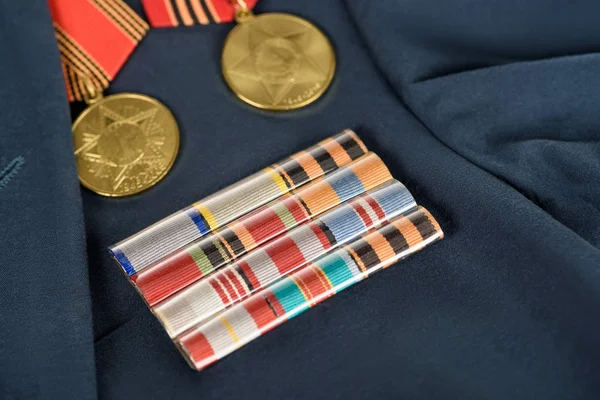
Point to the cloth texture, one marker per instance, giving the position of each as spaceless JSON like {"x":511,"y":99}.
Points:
{"x":486,"y":111}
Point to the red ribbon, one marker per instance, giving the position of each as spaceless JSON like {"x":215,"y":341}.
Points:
{"x":172,"y":13}
{"x":95,"y":39}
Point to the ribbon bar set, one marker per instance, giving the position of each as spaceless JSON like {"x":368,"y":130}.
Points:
{"x":232,"y":266}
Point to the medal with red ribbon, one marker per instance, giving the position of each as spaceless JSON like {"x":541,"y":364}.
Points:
{"x":124,"y":143}
{"x":272,"y":61}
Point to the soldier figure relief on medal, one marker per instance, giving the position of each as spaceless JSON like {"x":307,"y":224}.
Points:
{"x":277,"y":61}
{"x":124,"y":144}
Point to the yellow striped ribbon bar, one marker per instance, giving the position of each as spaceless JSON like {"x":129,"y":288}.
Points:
{"x":172,"y":233}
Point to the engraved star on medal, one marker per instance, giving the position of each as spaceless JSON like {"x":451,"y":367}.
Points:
{"x":124,"y":144}
{"x":278,"y":62}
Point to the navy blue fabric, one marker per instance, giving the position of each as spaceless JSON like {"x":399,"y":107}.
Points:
{"x":46,"y":342}
{"x":486,"y":111}
{"x":509,"y":85}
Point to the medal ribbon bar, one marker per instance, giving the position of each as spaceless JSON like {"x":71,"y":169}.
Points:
{"x":281,"y":257}
{"x":311,"y":285}
{"x":178,"y":230}
{"x":238,"y":263}
{"x":205,"y":255}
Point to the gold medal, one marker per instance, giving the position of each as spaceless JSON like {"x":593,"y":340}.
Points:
{"x":277,"y":61}
{"x":124,"y":143}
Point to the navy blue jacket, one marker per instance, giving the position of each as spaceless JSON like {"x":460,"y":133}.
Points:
{"x":488,"y":111}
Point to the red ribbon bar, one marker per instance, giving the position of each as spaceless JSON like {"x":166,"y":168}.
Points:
{"x":95,"y":39}
{"x":172,"y":13}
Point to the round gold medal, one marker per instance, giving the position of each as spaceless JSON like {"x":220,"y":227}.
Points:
{"x":277,"y":61}
{"x":124,"y":144}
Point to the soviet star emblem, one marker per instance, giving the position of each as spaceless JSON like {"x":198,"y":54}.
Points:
{"x":124,"y":144}
{"x":278,"y":62}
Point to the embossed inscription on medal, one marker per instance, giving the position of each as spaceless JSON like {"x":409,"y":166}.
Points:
{"x":302,"y":97}
{"x":278,"y":62}
{"x":124,"y":144}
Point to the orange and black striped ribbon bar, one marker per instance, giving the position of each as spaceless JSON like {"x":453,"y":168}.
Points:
{"x":172,"y":13}
{"x":95,"y":39}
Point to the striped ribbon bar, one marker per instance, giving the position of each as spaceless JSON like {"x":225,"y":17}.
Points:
{"x":172,"y":13}
{"x":95,"y":39}
{"x":178,"y":230}
{"x":282,"y":256}
{"x":199,"y":259}
{"x":294,"y":294}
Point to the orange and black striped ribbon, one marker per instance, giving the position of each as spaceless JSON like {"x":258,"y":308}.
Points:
{"x":95,"y":39}
{"x":172,"y":13}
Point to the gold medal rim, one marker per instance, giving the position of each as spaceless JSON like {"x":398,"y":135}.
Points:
{"x":304,"y":103}
{"x":137,"y":96}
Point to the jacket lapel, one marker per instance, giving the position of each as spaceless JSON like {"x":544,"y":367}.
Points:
{"x":46,"y":344}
